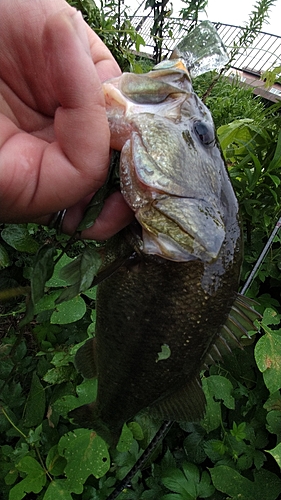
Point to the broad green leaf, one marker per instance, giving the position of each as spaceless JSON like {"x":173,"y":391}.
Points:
{"x":59,"y":374}
{"x":18,"y":237}
{"x":165,"y":353}
{"x":212,"y":417}
{"x":4,"y":257}
{"x":47,"y":302}
{"x":82,"y":269}
{"x":80,"y":272}
{"x":91,"y":293}
{"x":33,"y":482}
{"x":266,"y":485}
{"x":35,"y":407}
{"x":273,"y":419}
{"x":276,"y":453}
{"x":69,"y":312}
{"x":55,"y":463}
{"x":125,"y":440}
{"x":57,"y":490}
{"x":42,"y":271}
{"x":268,"y":359}
{"x":238,"y":130}
{"x":86,"y":453}
{"x":232,"y":483}
{"x":221,"y":388}
{"x":56,"y":281}
{"x":136,"y":430}
{"x":270,"y":317}
{"x":173,"y":496}
{"x":86,"y":393}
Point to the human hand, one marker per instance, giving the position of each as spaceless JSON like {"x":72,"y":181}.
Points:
{"x":54,"y":135}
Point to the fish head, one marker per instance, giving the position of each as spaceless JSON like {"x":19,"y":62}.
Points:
{"x":172,"y":173}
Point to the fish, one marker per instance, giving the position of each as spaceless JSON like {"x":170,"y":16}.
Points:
{"x":169,"y":304}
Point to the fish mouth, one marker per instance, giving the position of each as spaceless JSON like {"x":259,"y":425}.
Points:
{"x":181,"y":229}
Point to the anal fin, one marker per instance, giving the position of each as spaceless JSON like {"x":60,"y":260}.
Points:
{"x":186,"y":404}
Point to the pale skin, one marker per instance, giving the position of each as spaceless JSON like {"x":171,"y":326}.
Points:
{"x":54,"y":134}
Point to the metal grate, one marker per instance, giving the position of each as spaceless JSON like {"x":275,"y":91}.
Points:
{"x":264,"y":53}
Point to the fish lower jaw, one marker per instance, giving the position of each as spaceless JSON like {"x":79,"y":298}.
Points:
{"x":165,"y":247}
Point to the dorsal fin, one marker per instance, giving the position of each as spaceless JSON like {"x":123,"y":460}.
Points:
{"x":239,"y":322}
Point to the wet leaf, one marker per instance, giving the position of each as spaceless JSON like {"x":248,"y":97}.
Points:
{"x":69,"y":312}
{"x":58,"y":490}
{"x":221,"y":388}
{"x":125,"y":440}
{"x":86,"y":453}
{"x":268,"y":359}
{"x":229,"y":481}
{"x":86,"y":393}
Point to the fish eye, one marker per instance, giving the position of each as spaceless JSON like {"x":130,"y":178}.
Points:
{"x":204,"y":132}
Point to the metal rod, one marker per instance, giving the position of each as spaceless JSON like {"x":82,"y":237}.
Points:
{"x":261,"y":257}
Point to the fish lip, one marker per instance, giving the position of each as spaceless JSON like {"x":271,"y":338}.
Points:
{"x":193,"y":229}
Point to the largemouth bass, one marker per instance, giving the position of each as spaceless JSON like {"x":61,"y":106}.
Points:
{"x":170,"y":305}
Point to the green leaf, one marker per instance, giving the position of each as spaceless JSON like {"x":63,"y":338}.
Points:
{"x":276,"y":453}
{"x":18,"y":237}
{"x":270,"y":317}
{"x":136,"y":430}
{"x":238,"y":431}
{"x":33,"y":482}
{"x":69,"y":311}
{"x":4,"y":257}
{"x":188,"y":483}
{"x":212,"y":417}
{"x":57,"y":490}
{"x":86,"y":453}
{"x":56,"y":281}
{"x":42,"y":271}
{"x":232,"y":483}
{"x":80,"y":273}
{"x":221,"y":388}
{"x":54,"y":462}
{"x":165,"y":353}
{"x":47,"y":302}
{"x":125,"y":440}
{"x":273,"y":419}
{"x":59,"y":374}
{"x":175,"y":481}
{"x":266,"y":485}
{"x":86,"y":392}
{"x":268,"y":359}
{"x":35,"y":407}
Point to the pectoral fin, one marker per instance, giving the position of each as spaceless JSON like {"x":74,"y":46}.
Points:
{"x":85,"y":359}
